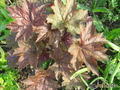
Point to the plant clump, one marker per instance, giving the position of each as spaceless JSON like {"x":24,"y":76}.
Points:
{"x":66,"y":36}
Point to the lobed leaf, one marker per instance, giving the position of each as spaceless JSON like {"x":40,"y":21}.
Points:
{"x":62,"y":62}
{"x":66,"y":16}
{"x":43,"y":80}
{"x":88,"y":49}
{"x":25,"y":19}
{"x":27,"y":54}
{"x":53,"y":35}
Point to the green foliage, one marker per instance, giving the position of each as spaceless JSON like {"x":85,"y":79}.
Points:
{"x":47,"y":63}
{"x":2,"y":3}
{"x":108,"y":10}
{"x":7,"y":75}
{"x":113,"y":34}
{"x":112,"y":70}
{"x":97,"y":23}
{"x":94,"y":7}
{"x":114,"y":11}
{"x":4,"y":20}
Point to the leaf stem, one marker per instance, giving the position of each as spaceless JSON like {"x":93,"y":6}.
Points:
{"x":78,"y":73}
{"x":83,"y":80}
{"x":113,"y":75}
{"x":2,"y":53}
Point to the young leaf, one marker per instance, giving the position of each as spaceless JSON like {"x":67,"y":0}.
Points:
{"x":66,"y":16}
{"x":88,"y":48}
{"x":25,"y":19}
{"x":54,"y":35}
{"x":43,"y":33}
{"x":67,"y":39}
{"x":43,"y":80}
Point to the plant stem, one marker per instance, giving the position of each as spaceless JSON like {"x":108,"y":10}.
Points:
{"x":83,"y":80}
{"x":113,"y":75}
{"x":2,"y":53}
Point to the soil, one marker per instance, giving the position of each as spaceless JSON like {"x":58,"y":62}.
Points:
{"x":24,"y":74}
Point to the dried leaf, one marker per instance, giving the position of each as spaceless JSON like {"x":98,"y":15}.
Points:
{"x":66,"y":16}
{"x":43,"y":80}
{"x":25,"y":19}
{"x":88,"y":48}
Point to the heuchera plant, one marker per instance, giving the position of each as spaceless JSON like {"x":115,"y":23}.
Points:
{"x":66,"y":35}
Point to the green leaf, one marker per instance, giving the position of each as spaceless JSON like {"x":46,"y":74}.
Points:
{"x":97,"y":23}
{"x":114,"y":3}
{"x":45,"y":65}
{"x":3,"y":24}
{"x":78,"y":73}
{"x":2,"y":27}
{"x":113,"y":74}
{"x":5,"y":13}
{"x":118,"y":74}
{"x":108,"y":67}
{"x":106,"y":31}
{"x":2,"y":3}
{"x":2,"y":54}
{"x":100,"y":3}
{"x":6,"y":33}
{"x":93,"y":4}
{"x":81,"y":6}
{"x":1,"y":80}
{"x":100,"y":9}
{"x":113,"y":34}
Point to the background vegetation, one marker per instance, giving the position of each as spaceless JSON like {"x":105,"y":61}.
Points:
{"x":106,"y":18}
